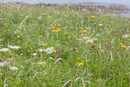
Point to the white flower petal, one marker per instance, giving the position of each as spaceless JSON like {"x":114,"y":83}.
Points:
{"x":4,"y":49}
{"x":13,"y":68}
{"x":1,"y":64}
{"x":89,"y":41}
{"x":125,"y":36}
{"x":14,"y":47}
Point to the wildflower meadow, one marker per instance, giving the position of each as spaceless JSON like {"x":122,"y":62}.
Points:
{"x":52,"y":46}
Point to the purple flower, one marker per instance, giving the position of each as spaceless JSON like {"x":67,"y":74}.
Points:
{"x":0,"y":60}
{"x":69,"y":81}
{"x":66,"y":43}
{"x":57,"y":56}
{"x":75,"y":52}
{"x":68,"y":51}
{"x":8,"y":60}
{"x":59,"y":51}
{"x":58,"y":63}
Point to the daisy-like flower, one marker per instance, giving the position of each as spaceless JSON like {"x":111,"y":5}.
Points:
{"x":4,"y":49}
{"x":14,"y":47}
{"x":0,"y":39}
{"x":13,"y":68}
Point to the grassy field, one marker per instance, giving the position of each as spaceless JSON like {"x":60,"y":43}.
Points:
{"x":59,"y":47}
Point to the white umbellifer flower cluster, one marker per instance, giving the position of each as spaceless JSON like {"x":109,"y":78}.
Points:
{"x":13,"y":68}
{"x":14,"y":47}
{"x":4,"y":49}
{"x":5,"y":63}
{"x":48,"y":50}
{"x":89,"y":40}
{"x":125,"y":36}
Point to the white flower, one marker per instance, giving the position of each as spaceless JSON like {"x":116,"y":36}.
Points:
{"x":1,"y":64}
{"x":89,"y":41}
{"x":4,"y":49}
{"x":6,"y":63}
{"x":13,"y":68}
{"x":34,"y":54}
{"x":100,"y":25}
{"x":48,"y":50}
{"x":42,"y":63}
{"x":125,"y":36}
{"x":50,"y":57}
{"x":41,"y":50}
{"x":14,"y":47}
{"x":86,"y":38}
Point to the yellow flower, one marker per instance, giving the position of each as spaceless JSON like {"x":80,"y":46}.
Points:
{"x":28,"y":50}
{"x":84,"y":31}
{"x":63,"y":28}
{"x":103,"y":21}
{"x":30,"y":24}
{"x":58,"y":29}
{"x":80,"y":63}
{"x":123,"y":46}
{"x":78,"y":58}
{"x":10,"y":52}
{"x":54,"y":27}
{"x":31,"y":48}
{"x":0,"y":39}
{"x":54,"y":30}
{"x":92,"y":16}
{"x":101,"y":50}
{"x":18,"y":36}
{"x":0,"y":35}
{"x":92,"y":20}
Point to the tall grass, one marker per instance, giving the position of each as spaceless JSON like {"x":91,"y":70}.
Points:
{"x":63,"y":47}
